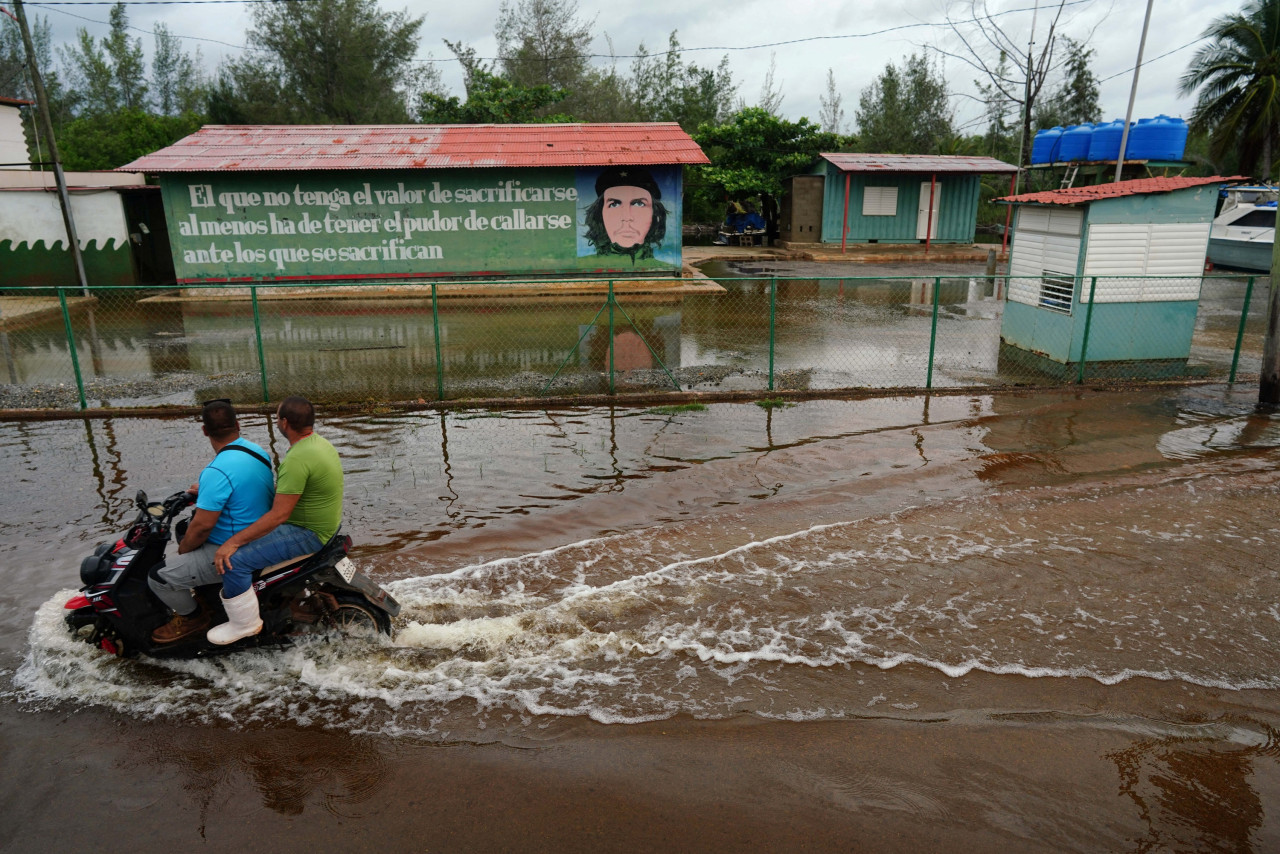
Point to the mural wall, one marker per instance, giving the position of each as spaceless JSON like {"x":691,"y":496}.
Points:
{"x":33,"y":239}
{"x":315,"y":225}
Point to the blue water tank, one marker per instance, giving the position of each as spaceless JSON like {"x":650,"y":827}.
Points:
{"x":1044,"y":146}
{"x":1105,"y":144}
{"x":1161,"y":138}
{"x":1075,"y":143}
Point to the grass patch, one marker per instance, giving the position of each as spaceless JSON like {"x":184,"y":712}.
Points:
{"x":677,"y":409}
{"x":774,"y":403}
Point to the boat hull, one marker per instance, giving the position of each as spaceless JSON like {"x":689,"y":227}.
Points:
{"x":1253,"y":256}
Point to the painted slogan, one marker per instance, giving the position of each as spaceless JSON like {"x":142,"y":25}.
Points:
{"x":309,"y":225}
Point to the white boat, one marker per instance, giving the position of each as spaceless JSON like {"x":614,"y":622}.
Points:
{"x":1244,"y":229}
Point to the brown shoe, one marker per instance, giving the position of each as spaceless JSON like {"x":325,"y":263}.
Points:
{"x":180,"y":626}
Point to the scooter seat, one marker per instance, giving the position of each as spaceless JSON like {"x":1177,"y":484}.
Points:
{"x":285,"y":563}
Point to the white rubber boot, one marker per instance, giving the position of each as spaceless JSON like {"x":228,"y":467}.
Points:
{"x":242,"y":619}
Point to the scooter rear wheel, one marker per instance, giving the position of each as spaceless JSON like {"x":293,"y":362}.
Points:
{"x":355,"y":618}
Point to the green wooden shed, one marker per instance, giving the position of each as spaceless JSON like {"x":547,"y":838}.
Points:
{"x":903,"y":198}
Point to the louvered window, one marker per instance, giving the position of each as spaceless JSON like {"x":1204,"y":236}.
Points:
{"x":880,"y":201}
{"x":1056,"y":292}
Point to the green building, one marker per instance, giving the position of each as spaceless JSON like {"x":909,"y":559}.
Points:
{"x":887,"y":198}
{"x":319,"y":203}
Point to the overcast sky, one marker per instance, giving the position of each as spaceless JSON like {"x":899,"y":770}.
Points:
{"x":855,"y":38}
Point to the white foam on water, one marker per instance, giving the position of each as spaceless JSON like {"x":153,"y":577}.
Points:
{"x":613,"y":630}
{"x":489,"y":633}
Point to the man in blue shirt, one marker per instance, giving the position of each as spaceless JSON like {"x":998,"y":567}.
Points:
{"x":233,"y":492}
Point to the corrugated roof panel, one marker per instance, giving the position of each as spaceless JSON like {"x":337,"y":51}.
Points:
{"x":860,"y":162}
{"x":1136,"y":187}
{"x":222,"y":148}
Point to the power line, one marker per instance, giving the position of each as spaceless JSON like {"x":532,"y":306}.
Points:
{"x":682,"y":50}
{"x":155,"y":2}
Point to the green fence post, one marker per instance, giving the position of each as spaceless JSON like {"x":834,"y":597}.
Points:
{"x":773,"y":324}
{"x":611,"y":387}
{"x":1244,"y":316}
{"x":435,"y":321}
{"x":933,"y":330}
{"x":1088,"y":318}
{"x":257,"y":330}
{"x":71,"y":343}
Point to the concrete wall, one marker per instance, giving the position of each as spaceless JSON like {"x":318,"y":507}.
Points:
{"x":800,"y":219}
{"x":33,"y":239}
{"x":13,"y":144}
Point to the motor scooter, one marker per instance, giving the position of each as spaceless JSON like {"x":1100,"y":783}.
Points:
{"x":320,"y":593}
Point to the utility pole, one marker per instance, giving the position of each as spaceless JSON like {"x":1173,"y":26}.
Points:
{"x":42,"y":102}
{"x":1133,"y":93}
{"x":1269,"y":378}
{"x":1026,"y":100}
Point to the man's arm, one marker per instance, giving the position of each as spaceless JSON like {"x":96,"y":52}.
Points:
{"x":280,"y":510}
{"x":198,"y":531}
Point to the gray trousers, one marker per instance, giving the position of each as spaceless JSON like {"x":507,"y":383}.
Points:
{"x":174,"y":582}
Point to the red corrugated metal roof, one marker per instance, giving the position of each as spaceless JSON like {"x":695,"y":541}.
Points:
{"x":1137,"y":187}
{"x":917,"y":163}
{"x":245,"y":148}
{"x":14,"y":102}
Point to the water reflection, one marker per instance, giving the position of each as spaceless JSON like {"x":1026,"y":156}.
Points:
{"x":288,"y":769}
{"x":1194,"y":794}
{"x":829,"y":333}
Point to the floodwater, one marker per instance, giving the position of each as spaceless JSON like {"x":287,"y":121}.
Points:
{"x":1034,"y":621}
{"x":829,"y":333}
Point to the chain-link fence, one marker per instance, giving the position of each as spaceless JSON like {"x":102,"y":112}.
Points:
{"x":470,"y":340}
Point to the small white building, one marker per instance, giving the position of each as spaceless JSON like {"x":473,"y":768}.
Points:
{"x":119,"y":221}
{"x":13,"y":142}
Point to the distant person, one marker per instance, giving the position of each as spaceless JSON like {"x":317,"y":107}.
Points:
{"x":627,"y":217}
{"x":232,"y":493}
{"x":752,"y":220}
{"x":305,"y":515}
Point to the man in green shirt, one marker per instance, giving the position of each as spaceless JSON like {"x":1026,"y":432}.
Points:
{"x":305,"y":514}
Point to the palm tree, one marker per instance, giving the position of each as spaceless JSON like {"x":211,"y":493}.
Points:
{"x":1238,"y":78}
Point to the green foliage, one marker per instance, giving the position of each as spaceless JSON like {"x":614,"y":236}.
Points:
{"x":663,"y":88}
{"x":177,"y":84}
{"x":773,"y":403}
{"x":106,"y":74}
{"x":906,"y":110}
{"x":831,"y":101}
{"x":677,"y":409}
{"x":542,"y":43}
{"x":490,"y":99}
{"x":15,"y":81}
{"x":106,"y":141}
{"x":754,"y":151}
{"x":329,"y":61}
{"x":1075,"y":101}
{"x":1236,"y":80}
{"x":127,"y":66}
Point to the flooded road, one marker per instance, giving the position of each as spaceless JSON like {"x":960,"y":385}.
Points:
{"x":1037,"y":621}
{"x":827,"y":333}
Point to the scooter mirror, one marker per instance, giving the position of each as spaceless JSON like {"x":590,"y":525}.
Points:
{"x":141,"y":498}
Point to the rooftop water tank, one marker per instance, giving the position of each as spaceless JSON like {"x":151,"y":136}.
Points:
{"x":1161,"y":138}
{"x":1044,"y":146}
{"x":1105,"y":144}
{"x":1075,"y":143}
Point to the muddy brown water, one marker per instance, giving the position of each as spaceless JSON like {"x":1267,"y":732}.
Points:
{"x":1035,"y":621}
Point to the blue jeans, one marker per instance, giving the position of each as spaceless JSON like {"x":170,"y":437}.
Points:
{"x":285,"y":542}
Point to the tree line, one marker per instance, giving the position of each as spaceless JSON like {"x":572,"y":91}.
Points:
{"x":351,"y":62}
